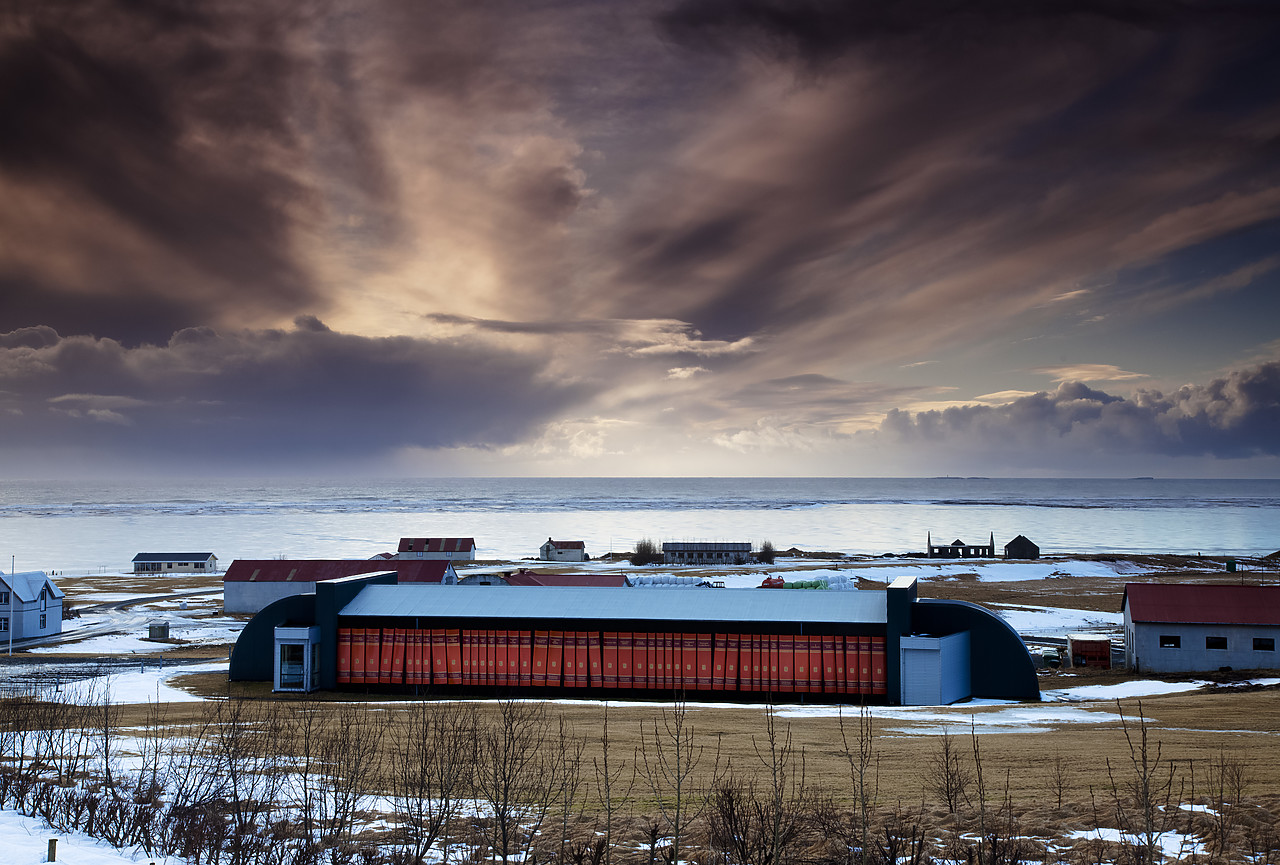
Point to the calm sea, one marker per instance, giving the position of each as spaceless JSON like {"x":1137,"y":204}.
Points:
{"x":95,"y":526}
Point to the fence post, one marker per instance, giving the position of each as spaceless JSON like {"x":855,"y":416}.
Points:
{"x":53,"y":850}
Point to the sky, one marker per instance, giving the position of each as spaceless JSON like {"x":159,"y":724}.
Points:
{"x":690,"y":237}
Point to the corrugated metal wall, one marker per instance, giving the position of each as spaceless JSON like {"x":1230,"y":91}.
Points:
{"x":762,"y":663}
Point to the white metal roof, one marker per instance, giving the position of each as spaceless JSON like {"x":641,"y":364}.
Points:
{"x":26,"y":586}
{"x":674,"y":604}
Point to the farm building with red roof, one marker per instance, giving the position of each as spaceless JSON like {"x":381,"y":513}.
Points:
{"x":1200,"y":627}
{"x":563,"y":551}
{"x":451,"y":549}
{"x":251,"y":584}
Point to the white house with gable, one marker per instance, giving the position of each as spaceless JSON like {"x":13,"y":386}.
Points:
{"x":563,"y":551}
{"x":30,"y":605}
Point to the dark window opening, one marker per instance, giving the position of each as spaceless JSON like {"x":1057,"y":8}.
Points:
{"x":1215,"y":642}
{"x":1170,"y":641}
{"x":1264,"y":644}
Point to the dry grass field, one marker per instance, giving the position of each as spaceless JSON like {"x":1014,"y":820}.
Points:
{"x":1049,"y":770}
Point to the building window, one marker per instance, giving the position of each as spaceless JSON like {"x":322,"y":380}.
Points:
{"x":4,"y":597}
{"x":1170,"y":641}
{"x":4,"y":624}
{"x":1264,"y":644}
{"x":43,"y":621}
{"x":1215,"y":642}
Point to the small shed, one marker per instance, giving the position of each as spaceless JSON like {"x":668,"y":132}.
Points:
{"x":1089,"y":650}
{"x":157,"y":629}
{"x":1021,"y":548}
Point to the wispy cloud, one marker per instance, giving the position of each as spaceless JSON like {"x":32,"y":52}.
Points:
{"x":1088,"y":372}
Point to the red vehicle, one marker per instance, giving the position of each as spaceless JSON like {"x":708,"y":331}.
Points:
{"x":772,"y":583}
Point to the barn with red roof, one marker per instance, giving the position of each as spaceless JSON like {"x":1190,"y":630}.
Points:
{"x":450,"y":549}
{"x":1200,"y":627}
{"x":251,"y":584}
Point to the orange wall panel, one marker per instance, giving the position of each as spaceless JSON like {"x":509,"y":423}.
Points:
{"x":453,"y":651}
{"x":879,"y":678}
{"x":344,"y":656}
{"x":541,"y":656}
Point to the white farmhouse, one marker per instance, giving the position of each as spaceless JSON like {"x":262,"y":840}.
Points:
{"x":563,"y":551}
{"x":30,"y":606}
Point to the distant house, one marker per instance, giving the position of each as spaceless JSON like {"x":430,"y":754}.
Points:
{"x":453,"y":549}
{"x":30,"y":606}
{"x":174,"y":563}
{"x":703,"y":553}
{"x":1197,"y":627}
{"x":1021,"y":548}
{"x":958,"y":549}
{"x":563,"y":551}
{"x":251,"y":584}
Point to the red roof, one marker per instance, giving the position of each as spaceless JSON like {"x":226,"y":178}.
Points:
{"x":529,"y":578}
{"x":318,"y":570}
{"x":437,"y":545}
{"x":567,"y":545}
{"x":1200,"y":603}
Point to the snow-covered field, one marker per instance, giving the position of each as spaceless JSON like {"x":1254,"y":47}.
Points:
{"x":25,"y":841}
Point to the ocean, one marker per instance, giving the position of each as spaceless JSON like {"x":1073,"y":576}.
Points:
{"x":96,"y":526}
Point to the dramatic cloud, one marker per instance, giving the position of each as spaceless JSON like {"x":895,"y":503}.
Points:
{"x":1229,"y":418}
{"x":670,"y":230}
{"x":287,"y":398}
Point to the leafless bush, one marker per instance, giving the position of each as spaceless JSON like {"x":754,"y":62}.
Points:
{"x":1142,"y":797}
{"x":947,"y":777}
{"x":431,"y":765}
{"x":668,"y":758}
{"x":610,"y":790}
{"x":517,"y":775}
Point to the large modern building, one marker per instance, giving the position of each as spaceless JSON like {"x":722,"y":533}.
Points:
{"x":251,"y":584}
{"x":30,"y":606}
{"x":1198,"y":627}
{"x":369,"y":633}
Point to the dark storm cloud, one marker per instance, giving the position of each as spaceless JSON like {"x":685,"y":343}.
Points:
{"x":170,"y":125}
{"x":267,"y":397}
{"x":1235,"y":417}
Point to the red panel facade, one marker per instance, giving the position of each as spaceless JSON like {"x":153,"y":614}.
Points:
{"x":344,"y":656}
{"x":595,"y":655}
{"x":719,"y":662}
{"x":541,"y":653}
{"x":611,"y":671}
{"x":879,"y":678}
{"x":453,"y":651}
{"x":555,"y":658}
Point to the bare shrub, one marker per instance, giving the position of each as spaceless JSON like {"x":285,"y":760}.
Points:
{"x":431,"y":765}
{"x":668,"y":757}
{"x":647,"y":552}
{"x":761,"y":824}
{"x":1142,"y":796}
{"x":517,"y":775}
{"x":947,"y":777}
